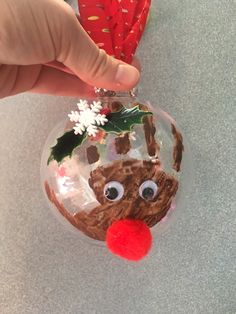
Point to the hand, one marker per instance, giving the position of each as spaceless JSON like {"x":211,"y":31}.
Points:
{"x":34,"y":33}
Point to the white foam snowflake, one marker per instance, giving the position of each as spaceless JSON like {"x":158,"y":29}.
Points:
{"x":88,"y":118}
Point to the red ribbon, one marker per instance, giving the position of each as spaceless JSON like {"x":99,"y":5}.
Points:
{"x":115,"y":25}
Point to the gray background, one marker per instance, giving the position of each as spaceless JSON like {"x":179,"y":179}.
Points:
{"x":187,"y":57}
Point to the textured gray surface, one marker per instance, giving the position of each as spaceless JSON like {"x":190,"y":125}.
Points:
{"x":187,"y":56}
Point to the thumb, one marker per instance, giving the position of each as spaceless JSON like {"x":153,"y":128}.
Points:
{"x":91,"y":64}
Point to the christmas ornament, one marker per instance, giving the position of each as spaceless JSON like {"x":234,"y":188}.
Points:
{"x":111,"y":170}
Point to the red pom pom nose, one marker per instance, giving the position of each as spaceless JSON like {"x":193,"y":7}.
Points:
{"x":130,"y":239}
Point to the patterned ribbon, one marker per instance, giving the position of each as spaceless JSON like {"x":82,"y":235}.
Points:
{"x":115,"y":25}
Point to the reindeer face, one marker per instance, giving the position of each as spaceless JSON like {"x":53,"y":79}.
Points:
{"x":131,"y":189}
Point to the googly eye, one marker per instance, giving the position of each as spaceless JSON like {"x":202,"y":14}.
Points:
{"x":113,"y":191}
{"x":148,"y":190}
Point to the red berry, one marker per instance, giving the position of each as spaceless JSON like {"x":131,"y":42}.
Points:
{"x":130,"y":239}
{"x":106,"y":111}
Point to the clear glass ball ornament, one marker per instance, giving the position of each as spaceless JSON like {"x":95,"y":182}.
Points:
{"x":143,"y":172}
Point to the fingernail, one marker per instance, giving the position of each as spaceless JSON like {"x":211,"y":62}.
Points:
{"x":127,"y":75}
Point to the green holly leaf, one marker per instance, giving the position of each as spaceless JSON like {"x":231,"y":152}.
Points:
{"x":65,"y":145}
{"x":124,"y":120}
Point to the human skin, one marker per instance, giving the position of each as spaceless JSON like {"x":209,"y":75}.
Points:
{"x":38,"y":38}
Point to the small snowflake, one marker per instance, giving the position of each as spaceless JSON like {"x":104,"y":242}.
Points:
{"x":88,"y":118}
